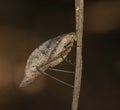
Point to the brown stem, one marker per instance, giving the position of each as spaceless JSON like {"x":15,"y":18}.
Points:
{"x":79,"y":6}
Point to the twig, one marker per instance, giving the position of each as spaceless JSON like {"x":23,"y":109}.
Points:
{"x":79,"y":5}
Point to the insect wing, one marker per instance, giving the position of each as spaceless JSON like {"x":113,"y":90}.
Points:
{"x":47,"y":55}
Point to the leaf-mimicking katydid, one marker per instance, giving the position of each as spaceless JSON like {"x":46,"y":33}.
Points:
{"x":48,"y":55}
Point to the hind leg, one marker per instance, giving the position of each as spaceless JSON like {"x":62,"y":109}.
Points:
{"x":59,"y":70}
{"x":65,"y":83}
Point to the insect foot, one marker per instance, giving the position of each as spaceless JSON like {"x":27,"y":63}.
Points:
{"x":49,"y":54}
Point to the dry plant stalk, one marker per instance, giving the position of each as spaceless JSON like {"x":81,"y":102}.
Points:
{"x":79,"y":5}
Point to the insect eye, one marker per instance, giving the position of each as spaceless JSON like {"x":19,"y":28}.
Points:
{"x":67,"y":45}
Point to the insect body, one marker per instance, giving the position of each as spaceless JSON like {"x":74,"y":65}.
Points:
{"x":49,"y":54}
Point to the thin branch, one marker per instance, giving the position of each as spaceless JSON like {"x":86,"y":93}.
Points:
{"x":79,"y":6}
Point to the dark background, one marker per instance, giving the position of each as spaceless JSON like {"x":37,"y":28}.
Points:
{"x":25,"y":24}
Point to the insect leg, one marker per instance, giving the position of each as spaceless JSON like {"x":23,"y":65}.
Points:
{"x":48,"y":65}
{"x":64,"y":71}
{"x":55,"y":78}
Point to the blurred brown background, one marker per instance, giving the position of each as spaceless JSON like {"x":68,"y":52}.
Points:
{"x":25,"y":24}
